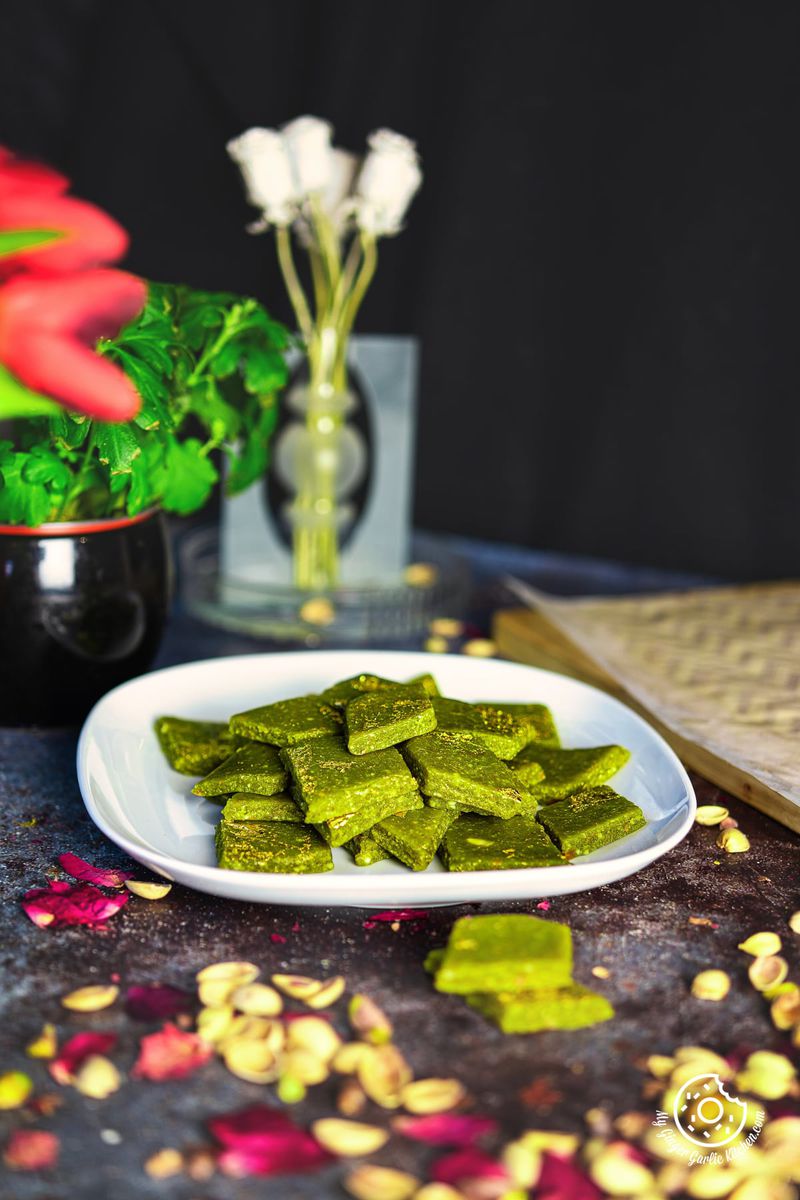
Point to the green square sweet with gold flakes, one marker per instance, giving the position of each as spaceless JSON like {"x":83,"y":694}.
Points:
{"x":566,"y":770}
{"x":570,"y":1007}
{"x":339,"y":830}
{"x":462,"y":774}
{"x":476,"y":843}
{"x":590,"y":819}
{"x":271,"y":846}
{"x":537,"y":720}
{"x":505,"y":952}
{"x":194,"y":747}
{"x":255,"y":767}
{"x":414,"y":837}
{"x":245,"y":806}
{"x":328,"y":781}
{"x":287,"y":722}
{"x":375,"y":720}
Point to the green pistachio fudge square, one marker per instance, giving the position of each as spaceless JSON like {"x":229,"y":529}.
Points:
{"x":459,"y":773}
{"x":589,"y":819}
{"x":193,"y":747}
{"x":571,"y":1007}
{"x":365,"y":850}
{"x":328,"y":781}
{"x":287,"y":722}
{"x":491,"y":844}
{"x":249,"y":807}
{"x":253,"y":768}
{"x":500,"y":732}
{"x":338,"y":830}
{"x":433,"y":960}
{"x":427,"y":682}
{"x":375,"y":720}
{"x":505,"y":952}
{"x":414,"y":837}
{"x":537,"y":719}
{"x":566,"y":770}
{"x":341,"y":693}
{"x":273,"y":846}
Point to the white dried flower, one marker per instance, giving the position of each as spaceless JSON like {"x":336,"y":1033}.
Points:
{"x":387,"y":182}
{"x":263,"y":159}
{"x":308,"y":144}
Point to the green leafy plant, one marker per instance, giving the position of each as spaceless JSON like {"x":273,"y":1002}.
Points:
{"x":208,"y":366}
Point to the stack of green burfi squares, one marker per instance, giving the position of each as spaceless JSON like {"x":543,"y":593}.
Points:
{"x":397,"y":771}
{"x":517,"y":971}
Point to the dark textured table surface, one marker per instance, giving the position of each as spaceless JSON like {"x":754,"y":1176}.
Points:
{"x":639,"y":929}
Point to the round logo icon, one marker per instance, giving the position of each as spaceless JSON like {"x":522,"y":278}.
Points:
{"x":706,"y":1115}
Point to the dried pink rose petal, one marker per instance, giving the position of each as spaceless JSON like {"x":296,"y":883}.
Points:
{"x":86,"y":873}
{"x":544,"y":905}
{"x":445,"y":1129}
{"x":75,"y":1051}
{"x":469,"y":1163}
{"x":31,"y":1150}
{"x":401,"y":914}
{"x":264,"y":1141}
{"x":560,"y":1179}
{"x":170,"y":1053}
{"x":63,"y":903}
{"x":156,"y":1001}
{"x":278,"y":938}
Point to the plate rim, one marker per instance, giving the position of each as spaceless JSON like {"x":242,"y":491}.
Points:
{"x":353,"y":883}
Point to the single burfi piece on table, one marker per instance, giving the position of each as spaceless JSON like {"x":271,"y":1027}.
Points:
{"x":244,"y":806}
{"x":499,"y":732}
{"x":288,"y":722}
{"x":572,"y":1007}
{"x":536,"y":718}
{"x":590,"y":819}
{"x":459,"y":773}
{"x":253,"y":768}
{"x":375,"y":720}
{"x":491,"y":844}
{"x":328,"y":781}
{"x":414,"y":837}
{"x":566,"y":770}
{"x":365,"y":850}
{"x":507,"y":952}
{"x":427,"y":682}
{"x":341,"y":693}
{"x":273,"y":846}
{"x":193,"y":747}
{"x":338,"y":830}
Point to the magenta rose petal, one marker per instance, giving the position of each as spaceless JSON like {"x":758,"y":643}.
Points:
{"x":171,"y":1053}
{"x":156,"y":1002}
{"x":470,"y":1163}
{"x":445,"y":1129}
{"x":86,"y":873}
{"x":264,"y":1141}
{"x":560,"y":1179}
{"x":62,"y":903}
{"x":76,"y":1051}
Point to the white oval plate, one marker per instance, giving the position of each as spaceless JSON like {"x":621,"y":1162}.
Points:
{"x":147,"y":809}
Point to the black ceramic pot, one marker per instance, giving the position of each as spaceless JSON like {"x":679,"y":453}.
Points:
{"x":82,"y":608}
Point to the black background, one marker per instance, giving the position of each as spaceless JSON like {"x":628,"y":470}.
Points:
{"x":602,"y":263}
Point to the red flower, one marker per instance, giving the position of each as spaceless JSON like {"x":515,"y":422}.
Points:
{"x":48,"y":330}
{"x":62,"y":903}
{"x":263,"y":1141}
{"x":85,"y":235}
{"x":31,"y":1150}
{"x":18,"y":174}
{"x":170,"y":1053}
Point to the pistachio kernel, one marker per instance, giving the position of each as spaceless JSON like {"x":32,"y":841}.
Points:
{"x":45,"y":1045}
{"x":767,"y":972}
{"x":446,"y":627}
{"x":317,"y":611}
{"x":794,"y":922}
{"x":217,"y":982}
{"x":480,"y":648}
{"x":349,"y":1139}
{"x":383,"y":1073}
{"x":733,"y":841}
{"x":97,"y":1077}
{"x":368,"y":1020}
{"x":436,"y":645}
{"x":761,"y":944}
{"x":315,"y":1036}
{"x":15,"y":1088}
{"x":438,"y":1191}
{"x":214,"y":1024}
{"x":601,"y":972}
{"x":711,"y":985}
{"x":92,"y":998}
{"x":785,"y":1009}
{"x":427,"y":1096}
{"x":710,"y":814}
{"x":297,"y":987}
{"x":148,"y":891}
{"x":660,"y":1065}
{"x":164,"y":1163}
{"x":328,"y":994}
{"x":257,"y":1000}
{"x":729,"y":823}
{"x":421,"y":574}
{"x":352,"y":1098}
{"x":770,"y":1076}
{"x":380,"y":1183}
{"x":348,"y":1057}
{"x":305,"y":1066}
{"x":618,"y":1174}
{"x":250,"y":1059}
